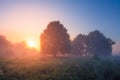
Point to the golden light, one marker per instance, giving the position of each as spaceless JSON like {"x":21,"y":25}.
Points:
{"x":32,"y":44}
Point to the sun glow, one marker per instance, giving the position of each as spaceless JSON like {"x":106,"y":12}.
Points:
{"x":32,"y":44}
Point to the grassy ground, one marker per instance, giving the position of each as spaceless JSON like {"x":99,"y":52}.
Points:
{"x":62,"y":68}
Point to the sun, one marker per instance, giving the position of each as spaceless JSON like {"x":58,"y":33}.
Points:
{"x":31,"y":44}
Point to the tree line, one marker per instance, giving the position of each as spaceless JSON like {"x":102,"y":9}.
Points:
{"x":19,"y":49}
{"x":55,"y":40}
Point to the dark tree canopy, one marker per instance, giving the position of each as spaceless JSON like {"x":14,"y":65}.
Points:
{"x":95,"y":43}
{"x":79,"y":45}
{"x":100,"y":45}
{"x":55,"y":39}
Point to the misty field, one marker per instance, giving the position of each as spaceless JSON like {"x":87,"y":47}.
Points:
{"x":60,"y":68}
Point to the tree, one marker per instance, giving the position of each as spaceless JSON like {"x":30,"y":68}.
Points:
{"x":5,"y":47}
{"x":79,"y":45}
{"x":21,"y":49}
{"x":95,"y":44}
{"x":55,"y":39}
{"x":100,"y":45}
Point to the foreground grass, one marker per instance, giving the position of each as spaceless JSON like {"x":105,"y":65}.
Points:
{"x":62,"y":68}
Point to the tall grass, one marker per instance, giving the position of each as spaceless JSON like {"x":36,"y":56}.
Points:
{"x":61,"y":68}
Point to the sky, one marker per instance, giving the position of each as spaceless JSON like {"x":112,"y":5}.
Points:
{"x":26,"y":19}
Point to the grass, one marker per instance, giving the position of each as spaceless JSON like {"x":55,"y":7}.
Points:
{"x":62,"y":68}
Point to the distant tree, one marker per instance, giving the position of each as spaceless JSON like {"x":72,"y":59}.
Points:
{"x":95,"y":43}
{"x":5,"y":47}
{"x":55,"y":39}
{"x":21,"y":49}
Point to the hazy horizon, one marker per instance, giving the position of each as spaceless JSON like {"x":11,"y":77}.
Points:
{"x":24,"y":20}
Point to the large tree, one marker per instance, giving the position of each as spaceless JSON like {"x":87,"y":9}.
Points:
{"x":55,"y":39}
{"x":95,"y":43}
{"x":100,"y":45}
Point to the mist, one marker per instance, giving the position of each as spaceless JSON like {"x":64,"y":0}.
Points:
{"x":19,"y":50}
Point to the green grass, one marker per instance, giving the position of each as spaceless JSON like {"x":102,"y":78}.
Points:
{"x":62,"y":68}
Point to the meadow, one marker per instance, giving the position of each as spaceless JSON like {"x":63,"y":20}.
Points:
{"x":60,"y":68}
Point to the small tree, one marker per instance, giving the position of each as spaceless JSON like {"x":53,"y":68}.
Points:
{"x":5,"y":47}
{"x":55,"y":39}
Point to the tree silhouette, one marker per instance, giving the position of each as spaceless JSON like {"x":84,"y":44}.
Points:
{"x":5,"y":47}
{"x":95,"y":43}
{"x":55,"y":39}
{"x":100,"y":45}
{"x":79,"y":45}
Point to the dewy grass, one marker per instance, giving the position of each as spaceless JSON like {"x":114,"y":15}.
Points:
{"x":83,"y":68}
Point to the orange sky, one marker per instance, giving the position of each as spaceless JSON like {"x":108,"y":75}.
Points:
{"x":24,"y":23}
